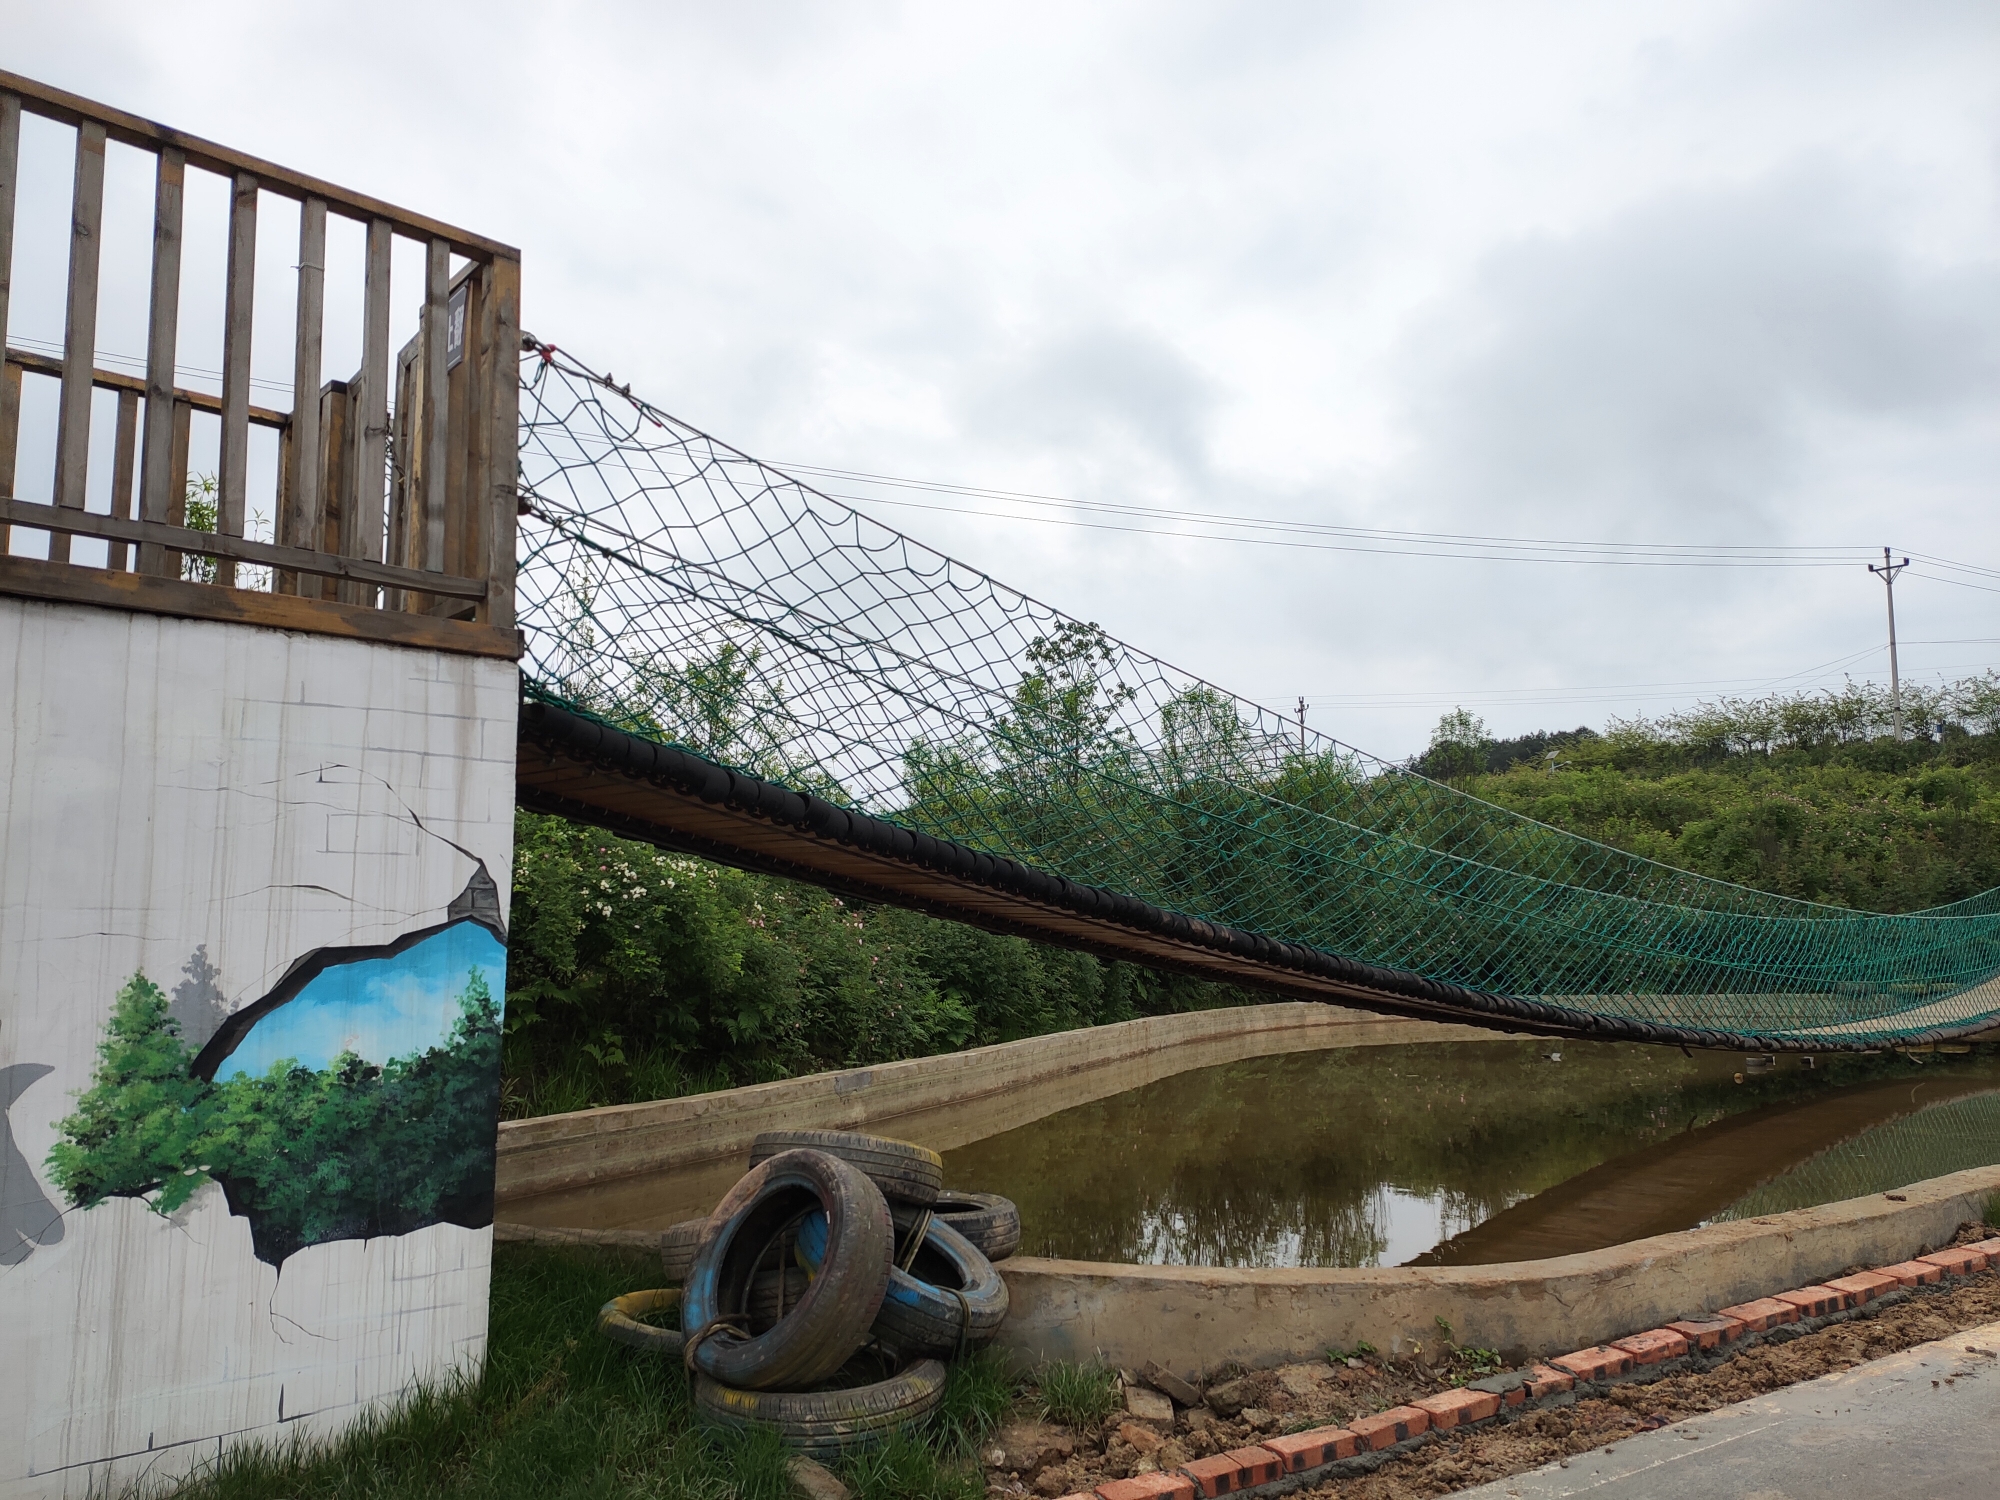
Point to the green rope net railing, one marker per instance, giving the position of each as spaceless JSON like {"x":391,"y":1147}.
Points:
{"x":680,"y":590}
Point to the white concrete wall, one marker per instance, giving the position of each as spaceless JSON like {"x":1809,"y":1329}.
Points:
{"x":178,"y":794}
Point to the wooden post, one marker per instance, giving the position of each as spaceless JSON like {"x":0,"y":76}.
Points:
{"x":299,"y":521}
{"x":334,"y":444}
{"x":232,"y":471}
{"x":404,"y":534}
{"x":177,"y":478}
{"x":373,"y":417}
{"x":80,"y":327}
{"x":122,"y":464}
{"x":284,"y":580}
{"x":10,"y":167}
{"x":10,"y":432}
{"x":10,"y":375}
{"x":435,"y":405}
{"x":158,"y":493}
{"x":463,"y":521}
{"x":498,"y":469}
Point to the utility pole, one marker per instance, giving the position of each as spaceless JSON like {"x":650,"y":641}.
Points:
{"x":1302,"y":725}
{"x":1887,"y":570}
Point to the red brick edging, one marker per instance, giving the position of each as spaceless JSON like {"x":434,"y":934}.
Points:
{"x":1253,"y":1467}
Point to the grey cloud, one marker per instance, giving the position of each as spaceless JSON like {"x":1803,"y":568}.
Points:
{"x":1105,"y":391}
{"x":1670,"y":363}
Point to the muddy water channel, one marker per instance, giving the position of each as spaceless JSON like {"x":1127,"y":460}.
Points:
{"x":1473,"y":1153}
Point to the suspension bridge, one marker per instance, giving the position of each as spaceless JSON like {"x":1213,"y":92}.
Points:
{"x":722,"y":660}
{"x":258,"y":755}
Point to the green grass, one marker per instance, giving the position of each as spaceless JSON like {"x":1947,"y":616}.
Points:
{"x":562,"y":1414}
{"x":1076,"y":1395}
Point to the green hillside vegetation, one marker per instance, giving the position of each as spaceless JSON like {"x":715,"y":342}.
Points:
{"x":1807,"y":795}
{"x":635,"y":974}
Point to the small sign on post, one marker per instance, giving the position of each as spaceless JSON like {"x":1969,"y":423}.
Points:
{"x":454,"y":326}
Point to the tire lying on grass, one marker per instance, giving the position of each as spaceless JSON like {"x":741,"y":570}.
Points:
{"x":992,"y":1223}
{"x":828,"y":1423}
{"x":951,"y":1298}
{"x":618,"y":1320}
{"x":678,"y":1243}
{"x":904,"y":1172}
{"x":747,"y":1233}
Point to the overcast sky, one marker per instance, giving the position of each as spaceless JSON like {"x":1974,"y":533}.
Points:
{"x":1710,"y":273}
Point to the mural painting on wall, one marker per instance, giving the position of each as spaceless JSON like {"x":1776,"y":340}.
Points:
{"x":359,"y":1098}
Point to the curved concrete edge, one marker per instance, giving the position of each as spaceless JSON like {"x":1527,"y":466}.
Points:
{"x":930,"y":1099}
{"x":1194,"y":1318}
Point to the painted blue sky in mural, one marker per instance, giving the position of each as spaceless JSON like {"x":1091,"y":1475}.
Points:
{"x":377,"y":1008}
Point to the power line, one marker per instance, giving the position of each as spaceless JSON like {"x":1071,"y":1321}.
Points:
{"x":137,"y":362}
{"x":1505,"y":550}
{"x":1322,"y":536}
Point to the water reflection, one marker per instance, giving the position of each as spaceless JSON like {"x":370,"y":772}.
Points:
{"x":1938,"y":1138}
{"x":1379,"y":1156}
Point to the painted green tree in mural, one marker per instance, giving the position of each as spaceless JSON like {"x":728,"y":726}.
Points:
{"x":134,"y":1132}
{"x":349,"y":1151}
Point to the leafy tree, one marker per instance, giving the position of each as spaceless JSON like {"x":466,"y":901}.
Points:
{"x":636,"y":974}
{"x":1457,"y":746}
{"x":1063,"y":713}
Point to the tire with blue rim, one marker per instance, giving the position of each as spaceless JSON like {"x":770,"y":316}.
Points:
{"x":992,"y":1223}
{"x":747,"y":1237}
{"x":950,"y":1299}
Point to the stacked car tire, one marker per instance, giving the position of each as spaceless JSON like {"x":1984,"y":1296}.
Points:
{"x":828,"y":1288}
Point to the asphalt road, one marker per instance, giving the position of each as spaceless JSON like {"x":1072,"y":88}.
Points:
{"x":1920,"y":1425}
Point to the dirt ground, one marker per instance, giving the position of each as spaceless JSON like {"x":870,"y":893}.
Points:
{"x":1032,"y":1458}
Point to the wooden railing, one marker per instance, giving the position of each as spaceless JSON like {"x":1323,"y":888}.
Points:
{"x":421,"y":551}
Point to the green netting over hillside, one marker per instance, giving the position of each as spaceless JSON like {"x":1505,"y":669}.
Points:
{"x":685,"y":592}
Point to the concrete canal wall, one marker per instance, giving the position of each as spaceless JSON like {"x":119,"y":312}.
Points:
{"x":1190,"y":1318}
{"x":598,"y":1167}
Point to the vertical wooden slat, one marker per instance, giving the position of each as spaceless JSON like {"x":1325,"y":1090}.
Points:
{"x":232,"y":469}
{"x":158,"y":493}
{"x":10,"y":159}
{"x":401,"y":546}
{"x":461,"y":527}
{"x":123,"y":459}
{"x":10,"y":376}
{"x":300,"y":519}
{"x":80,"y":327}
{"x":10,"y":433}
{"x":334,"y":409}
{"x":435,"y":407}
{"x":373,"y":417}
{"x":285,"y":580}
{"x":177,"y":480}
{"x":498,"y":470}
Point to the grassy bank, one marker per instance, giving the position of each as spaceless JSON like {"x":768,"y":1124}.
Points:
{"x":560,"y":1412}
